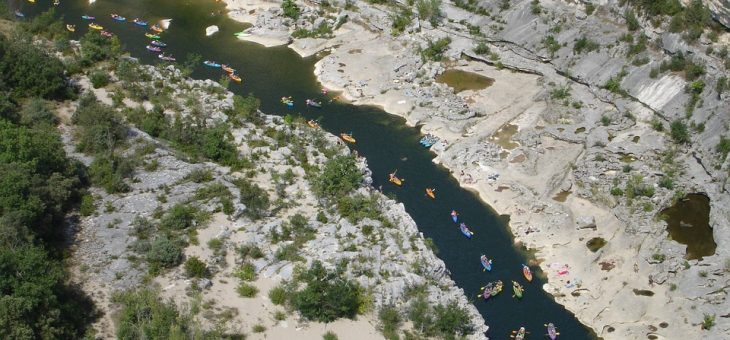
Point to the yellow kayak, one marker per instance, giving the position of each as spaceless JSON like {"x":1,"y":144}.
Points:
{"x":234,"y":77}
{"x":430,"y":192}
{"x":395,"y":180}
{"x":347,"y":138}
{"x":95,"y":26}
{"x":71,"y":28}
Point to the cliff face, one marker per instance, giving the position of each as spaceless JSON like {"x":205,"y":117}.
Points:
{"x":720,"y":11}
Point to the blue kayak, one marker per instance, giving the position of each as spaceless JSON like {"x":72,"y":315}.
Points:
{"x":454,"y":216}
{"x":211,"y":64}
{"x":486,"y":263}
{"x":465,"y":230}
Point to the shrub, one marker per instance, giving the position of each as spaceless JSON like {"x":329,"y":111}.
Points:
{"x":722,"y":85}
{"x":339,"y":176}
{"x":246,"y":290}
{"x":290,"y":9}
{"x":434,"y":50}
{"x":99,"y":79}
{"x":164,"y":253}
{"x":194,"y":267}
{"x":631,"y":22}
{"x":278,"y":295}
{"x":481,"y":48}
{"x":401,"y":20}
{"x":452,"y":320}
{"x":109,"y":172}
{"x":289,"y":252}
{"x":358,"y":207}
{"x":390,"y":321}
{"x":551,"y":45}
{"x":723,"y":147}
{"x":246,"y":272}
{"x":429,"y":10}
{"x":679,"y":132}
{"x":327,"y":295}
{"x":179,"y":217}
{"x":250,"y":250}
{"x":259,"y":328}
{"x":100,"y":129}
{"x":254,"y":197}
{"x":87,"y":207}
{"x":560,"y":93}
{"x":329,"y":336}
{"x":708,"y":321}
{"x":585,"y":44}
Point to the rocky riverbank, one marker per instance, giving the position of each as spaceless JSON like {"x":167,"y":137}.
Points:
{"x":384,"y":252}
{"x":579,"y":117}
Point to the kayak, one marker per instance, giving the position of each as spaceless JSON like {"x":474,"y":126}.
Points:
{"x":87,"y":17}
{"x":56,"y":2}
{"x":165,"y":57}
{"x":234,"y":77}
{"x":211,"y":64}
{"x":107,"y":34}
{"x":454,"y":216}
{"x":517,"y":289}
{"x":497,"y":288}
{"x":312,"y":103}
{"x":153,"y":48}
{"x":312,"y":124}
{"x":552,"y":331}
{"x":139,"y":22}
{"x":287,"y":101}
{"x":71,"y":28}
{"x":487,"y":291}
{"x":157,"y":43}
{"x":486,"y":263}
{"x":395,"y":180}
{"x":152,"y":36}
{"x":228,"y":69}
{"x":95,"y":26}
{"x":348,"y":138}
{"x":118,"y":17}
{"x":19,"y":14}
{"x":520,"y":334}
{"x":526,"y":271}
{"x":157,"y":28}
{"x":465,"y":230}
{"x":430,"y":193}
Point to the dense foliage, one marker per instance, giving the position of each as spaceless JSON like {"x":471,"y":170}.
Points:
{"x":327,"y":296}
{"x":254,"y":198}
{"x":27,"y":71}
{"x":339,"y":176}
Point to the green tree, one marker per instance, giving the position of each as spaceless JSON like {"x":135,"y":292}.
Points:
{"x":327,"y":295}
{"x":95,"y":48}
{"x":254,"y":197}
{"x":679,"y":132}
{"x":27,"y":71}
{"x":290,"y":9}
{"x":194,"y":267}
{"x":339,"y":176}
{"x":164,"y":253}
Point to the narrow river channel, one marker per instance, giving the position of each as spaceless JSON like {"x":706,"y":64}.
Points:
{"x":388,"y":144}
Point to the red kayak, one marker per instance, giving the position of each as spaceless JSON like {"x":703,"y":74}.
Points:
{"x":526,"y":271}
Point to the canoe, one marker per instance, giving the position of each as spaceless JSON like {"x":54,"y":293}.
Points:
{"x":486,"y":263}
{"x":165,"y":57}
{"x":87,"y":17}
{"x":107,"y":34}
{"x":312,"y":103}
{"x":228,"y":69}
{"x":211,"y":64}
{"x":157,"y":28}
{"x":95,"y":26}
{"x":153,"y":48}
{"x":430,"y":192}
{"x":152,"y":36}
{"x":235,"y":77}
{"x":465,"y":230}
{"x":395,"y":180}
{"x":348,"y":138}
{"x":518,"y":290}
{"x":497,"y":288}
{"x":487,"y":291}
{"x":526,"y":271}
{"x":520,"y":334}
{"x":312,"y":124}
{"x":552,"y":331}
{"x":139,"y":22}
{"x":118,"y":17}
{"x":157,"y":43}
{"x":454,"y":216}
{"x":71,"y":28}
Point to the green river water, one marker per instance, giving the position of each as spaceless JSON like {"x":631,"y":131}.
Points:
{"x":270,"y":73}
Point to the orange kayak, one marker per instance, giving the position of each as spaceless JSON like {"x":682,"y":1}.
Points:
{"x":347,"y":138}
{"x":395,"y":180}
{"x":234,"y":77}
{"x":526,"y":271}
{"x":430,"y":193}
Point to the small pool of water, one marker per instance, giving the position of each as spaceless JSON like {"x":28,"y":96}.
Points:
{"x":595,"y":244}
{"x":688,"y":222}
{"x":503,"y":137}
{"x":562,"y":196}
{"x":462,"y":80}
{"x":627,"y":157}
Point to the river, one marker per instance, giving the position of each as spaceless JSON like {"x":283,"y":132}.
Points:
{"x":386,"y":141}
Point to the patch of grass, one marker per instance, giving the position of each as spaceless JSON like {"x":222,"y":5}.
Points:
{"x":247,"y":290}
{"x":278,"y":295}
{"x":246,"y":272}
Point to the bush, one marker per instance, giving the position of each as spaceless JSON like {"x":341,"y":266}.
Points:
{"x":481,"y":48}
{"x":401,"y":20}
{"x":250,"y":250}
{"x":278,"y":295}
{"x":452,"y":320}
{"x":99,"y":79}
{"x":254,"y":197}
{"x":194,"y":267}
{"x":329,"y":336}
{"x":27,"y":71}
{"x":551,"y":45}
{"x":180,"y":216}
{"x":358,"y":207}
{"x":87,"y":207}
{"x":585,"y":44}
{"x":145,"y":316}
{"x":708,"y":321}
{"x":339,"y":176}
{"x":100,"y":129}
{"x":434,"y":51}
{"x":429,"y":10}
{"x":164,"y":253}
{"x":95,"y":48}
{"x":246,"y":272}
{"x":327,"y":295}
{"x":109,"y":172}
{"x":390,"y":321}
{"x":679,"y":132}
{"x":631,"y":22}
{"x":290,"y":9}
{"x":723,"y":147}
{"x":246,"y":290}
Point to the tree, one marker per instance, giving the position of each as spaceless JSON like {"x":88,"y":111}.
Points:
{"x":95,"y":48}
{"x":27,"y":71}
{"x":254,"y":197}
{"x":327,"y":296}
{"x":290,"y":9}
{"x":679,"y":132}
{"x":339,"y":176}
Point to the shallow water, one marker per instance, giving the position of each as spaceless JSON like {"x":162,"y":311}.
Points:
{"x":270,"y":73}
{"x":688,"y":222}
{"x":460,"y":80}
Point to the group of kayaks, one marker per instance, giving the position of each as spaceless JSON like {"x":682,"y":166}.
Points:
{"x":229,"y":71}
{"x":155,"y":45}
{"x":520,"y":334}
{"x":428,"y":140}
{"x":393,"y":178}
{"x":288,"y":101}
{"x":489,"y":290}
